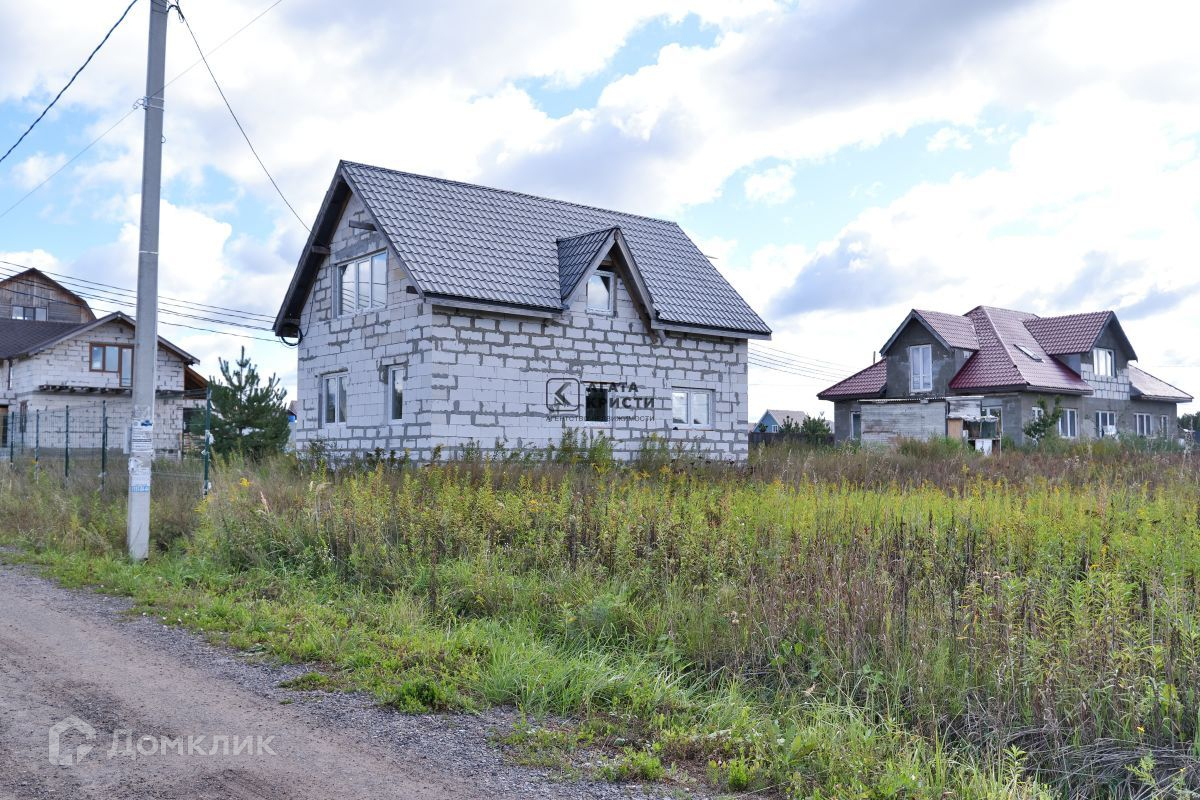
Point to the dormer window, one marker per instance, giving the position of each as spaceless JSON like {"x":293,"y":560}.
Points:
{"x":29,"y":313}
{"x":920,"y":366}
{"x":1104,"y":363}
{"x":600,"y":293}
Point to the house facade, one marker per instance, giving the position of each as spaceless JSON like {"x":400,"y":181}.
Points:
{"x":84,"y":365}
{"x":433,"y":315}
{"x":773,"y":419}
{"x":1010,"y":363}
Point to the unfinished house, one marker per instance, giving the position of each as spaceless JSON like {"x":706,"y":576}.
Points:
{"x":434,"y":315}
{"x":981,"y":375}
{"x":55,"y":355}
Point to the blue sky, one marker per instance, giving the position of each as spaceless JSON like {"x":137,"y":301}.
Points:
{"x":841,"y":162}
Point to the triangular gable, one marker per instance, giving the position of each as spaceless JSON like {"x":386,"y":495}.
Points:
{"x":116,"y":316}
{"x":582,"y":254}
{"x":914,"y":316}
{"x":616,"y":250}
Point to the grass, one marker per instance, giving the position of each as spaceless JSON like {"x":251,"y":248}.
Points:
{"x":818,"y":624}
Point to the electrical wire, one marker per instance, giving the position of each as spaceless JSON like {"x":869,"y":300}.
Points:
{"x":237,"y":121}
{"x":135,"y":107}
{"x":63,"y":90}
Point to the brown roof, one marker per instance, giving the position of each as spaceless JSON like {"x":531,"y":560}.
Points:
{"x":1010,"y":356}
{"x":1148,"y":387}
{"x":869,"y":382}
{"x":958,"y":331}
{"x":1073,"y":333}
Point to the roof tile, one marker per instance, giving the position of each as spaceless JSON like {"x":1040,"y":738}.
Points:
{"x":868,"y":382}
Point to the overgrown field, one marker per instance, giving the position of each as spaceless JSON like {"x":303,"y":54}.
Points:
{"x":821,"y":624}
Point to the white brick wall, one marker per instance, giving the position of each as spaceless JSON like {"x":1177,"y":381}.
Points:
{"x":479,"y":377}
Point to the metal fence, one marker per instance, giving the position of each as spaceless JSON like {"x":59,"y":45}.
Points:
{"x":86,"y":442}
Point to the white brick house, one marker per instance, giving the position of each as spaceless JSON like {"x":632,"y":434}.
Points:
{"x":431,"y":313}
{"x":87,"y":365}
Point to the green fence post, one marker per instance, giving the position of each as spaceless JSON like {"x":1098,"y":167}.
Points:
{"x":67,"y":442}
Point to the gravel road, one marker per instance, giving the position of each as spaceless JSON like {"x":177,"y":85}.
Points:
{"x":67,"y":654}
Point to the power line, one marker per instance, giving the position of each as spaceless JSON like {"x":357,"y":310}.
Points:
{"x":238,"y":122}
{"x":135,"y":107}
{"x":61,"y":91}
{"x":803,"y":358}
{"x":792,"y":365}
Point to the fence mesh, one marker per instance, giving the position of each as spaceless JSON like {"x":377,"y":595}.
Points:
{"x":86,"y":443}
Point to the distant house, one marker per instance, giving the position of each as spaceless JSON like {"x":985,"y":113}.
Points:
{"x":773,"y":419}
{"x":981,"y":374}
{"x":55,"y":353}
{"x":436,"y":314}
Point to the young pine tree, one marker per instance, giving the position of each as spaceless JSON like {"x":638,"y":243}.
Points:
{"x":247,"y":417}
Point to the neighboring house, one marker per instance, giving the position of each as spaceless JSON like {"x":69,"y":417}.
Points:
{"x":48,"y":366}
{"x":773,"y":419}
{"x":1004,"y":362}
{"x":436,"y":314}
{"x":32,"y":295}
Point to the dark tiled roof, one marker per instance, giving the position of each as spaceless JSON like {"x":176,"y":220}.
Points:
{"x":1071,"y":333}
{"x":957,"y":331}
{"x":490,"y":245}
{"x":19,"y":337}
{"x":1002,"y":361}
{"x":1146,"y":386}
{"x":576,"y":253}
{"x":869,"y":382}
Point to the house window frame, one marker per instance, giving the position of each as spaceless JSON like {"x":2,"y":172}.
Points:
{"x":341,"y":397}
{"x":924,"y":352}
{"x":999,"y":416}
{"x":40,"y":313}
{"x":373,"y":303}
{"x":604,"y":391}
{"x":390,"y":393}
{"x":690,"y":395}
{"x":1163,"y":421}
{"x":609,"y":278}
{"x":1036,"y":413}
{"x":1110,"y":359}
{"x":1106,"y":415}
{"x":856,"y":426}
{"x":124,"y":355}
{"x":1143,"y":424}
{"x":1068,"y":424}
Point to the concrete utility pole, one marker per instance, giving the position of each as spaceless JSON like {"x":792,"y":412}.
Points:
{"x":145,"y":351}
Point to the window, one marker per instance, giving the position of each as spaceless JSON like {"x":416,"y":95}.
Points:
{"x":1142,"y":425}
{"x":362,"y":285}
{"x":1027,"y":351}
{"x":395,"y":397}
{"x":1104,"y":364}
{"x":691,"y":408}
{"x":113,"y":358}
{"x":29,"y":313}
{"x":596,"y":404}
{"x":856,"y":425}
{"x":1068,"y":424}
{"x":1038,"y":413}
{"x":997,"y":413}
{"x":1163,"y":422}
{"x":1106,"y":423}
{"x":600,"y":292}
{"x":920,"y":365}
{"x":333,"y":400}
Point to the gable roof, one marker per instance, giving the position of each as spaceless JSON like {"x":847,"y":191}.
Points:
{"x":780,"y":415}
{"x":18,"y":337}
{"x":473,"y":243}
{"x":1147,"y":387}
{"x":33,"y":273}
{"x":1076,"y":333}
{"x":578,"y":253}
{"x":951,"y":330}
{"x":15,"y":343}
{"x":869,"y":382}
{"x":1004,"y":358}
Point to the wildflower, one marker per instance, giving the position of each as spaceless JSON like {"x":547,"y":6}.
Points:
{"x":245,"y":482}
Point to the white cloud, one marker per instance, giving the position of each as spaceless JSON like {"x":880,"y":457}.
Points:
{"x":948,"y":139}
{"x":36,"y":168}
{"x":771,"y":186}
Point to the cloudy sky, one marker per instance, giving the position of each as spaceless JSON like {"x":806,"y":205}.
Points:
{"x":841,"y":162}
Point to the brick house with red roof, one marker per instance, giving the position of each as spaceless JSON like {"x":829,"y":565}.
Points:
{"x":1009,"y":360}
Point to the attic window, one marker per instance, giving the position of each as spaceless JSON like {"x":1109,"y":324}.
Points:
{"x":29,"y":313}
{"x":362,"y":285}
{"x":600,"y":292}
{"x":1029,"y":352}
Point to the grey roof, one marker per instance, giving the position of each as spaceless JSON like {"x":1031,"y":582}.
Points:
{"x":1146,"y":386}
{"x":577,"y":253}
{"x":494,"y":246}
{"x":19,"y":337}
{"x":781,"y":416}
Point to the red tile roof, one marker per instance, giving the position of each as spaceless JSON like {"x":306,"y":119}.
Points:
{"x":1148,"y":387}
{"x":1002,"y":361}
{"x":869,"y":382}
{"x":958,"y":331}
{"x":1071,"y":333}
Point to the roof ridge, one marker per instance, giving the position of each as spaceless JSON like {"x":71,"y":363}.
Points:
{"x":609,"y":229}
{"x":514,"y":192}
